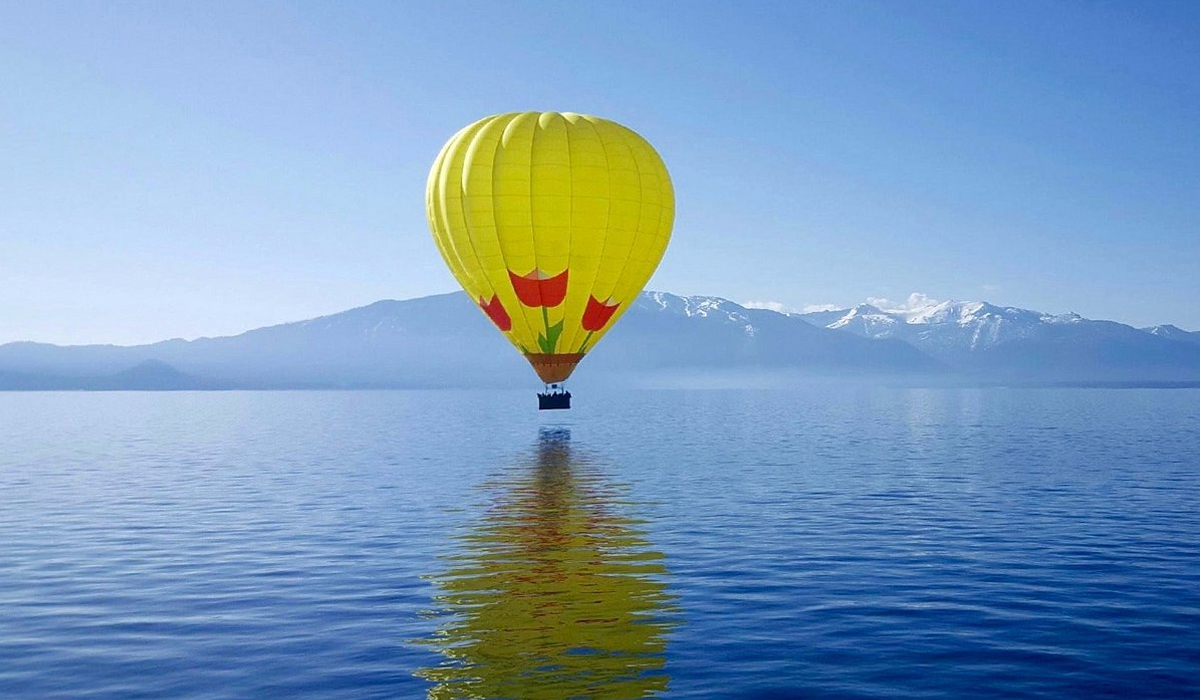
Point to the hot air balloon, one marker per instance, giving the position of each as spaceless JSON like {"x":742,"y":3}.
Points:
{"x":552,"y":223}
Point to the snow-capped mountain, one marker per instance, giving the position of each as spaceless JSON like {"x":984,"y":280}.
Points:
{"x":977,"y":335}
{"x":445,"y":341}
{"x":948,"y":326}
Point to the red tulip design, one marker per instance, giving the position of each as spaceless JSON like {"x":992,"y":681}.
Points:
{"x":595,"y":317}
{"x":598,"y":313}
{"x":539,"y":288}
{"x":495,"y":311}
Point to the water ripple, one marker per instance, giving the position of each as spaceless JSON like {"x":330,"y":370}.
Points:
{"x":841,"y":542}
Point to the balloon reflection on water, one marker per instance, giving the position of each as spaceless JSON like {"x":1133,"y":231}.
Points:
{"x":555,"y":593}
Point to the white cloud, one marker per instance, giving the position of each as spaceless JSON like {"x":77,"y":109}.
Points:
{"x":770,"y":306}
{"x":915,"y":302}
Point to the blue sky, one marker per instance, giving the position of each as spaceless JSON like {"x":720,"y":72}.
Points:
{"x":185,"y":169}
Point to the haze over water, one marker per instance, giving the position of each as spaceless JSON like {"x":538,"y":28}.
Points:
{"x":836,"y":541}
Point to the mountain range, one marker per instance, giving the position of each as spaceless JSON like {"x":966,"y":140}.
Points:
{"x":444,"y":341}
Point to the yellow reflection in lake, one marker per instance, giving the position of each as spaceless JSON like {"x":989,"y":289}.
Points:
{"x":556,"y":595}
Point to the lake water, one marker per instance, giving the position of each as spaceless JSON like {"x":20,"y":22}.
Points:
{"x":829,"y":542}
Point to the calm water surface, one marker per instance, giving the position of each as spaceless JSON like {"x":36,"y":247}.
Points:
{"x":834,"y":542}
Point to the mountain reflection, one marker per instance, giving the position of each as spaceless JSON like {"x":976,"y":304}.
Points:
{"x":556,"y":593}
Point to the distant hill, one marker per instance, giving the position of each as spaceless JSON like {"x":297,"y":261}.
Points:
{"x":149,"y":375}
{"x":144,"y":376}
{"x":444,"y":341}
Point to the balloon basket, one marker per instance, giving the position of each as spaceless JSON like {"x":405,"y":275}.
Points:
{"x":554,"y":398}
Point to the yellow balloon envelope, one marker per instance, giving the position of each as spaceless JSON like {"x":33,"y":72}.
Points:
{"x":552,"y":223}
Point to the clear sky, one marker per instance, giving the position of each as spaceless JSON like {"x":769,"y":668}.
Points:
{"x":185,"y":169}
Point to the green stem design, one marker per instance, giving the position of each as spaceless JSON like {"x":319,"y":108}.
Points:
{"x":549,"y":341}
{"x":586,"y":339}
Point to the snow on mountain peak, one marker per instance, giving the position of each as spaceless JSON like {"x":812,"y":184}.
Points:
{"x":1069,"y":317}
{"x":1166,"y":330}
{"x":700,"y":306}
{"x":866,"y":310}
{"x":867,"y":319}
{"x":1173,"y":332}
{"x":941,"y":326}
{"x":693,"y":305}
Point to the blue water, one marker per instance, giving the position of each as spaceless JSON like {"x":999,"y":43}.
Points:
{"x":832,"y":542}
